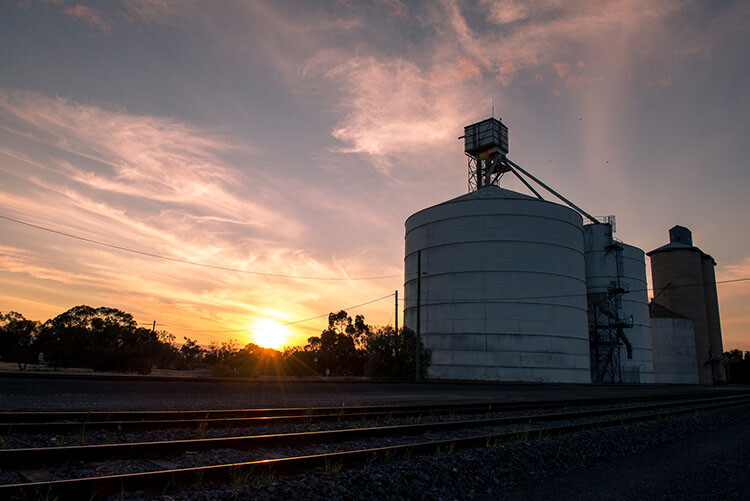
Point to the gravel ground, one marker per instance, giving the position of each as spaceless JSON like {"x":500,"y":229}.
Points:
{"x":38,"y":393}
{"x":473,"y":474}
{"x":17,"y":440}
{"x":78,"y":469}
{"x":507,"y":470}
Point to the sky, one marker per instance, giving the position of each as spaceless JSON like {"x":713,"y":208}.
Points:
{"x":295,"y":138}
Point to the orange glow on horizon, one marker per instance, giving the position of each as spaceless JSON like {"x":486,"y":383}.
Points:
{"x":269,"y":333}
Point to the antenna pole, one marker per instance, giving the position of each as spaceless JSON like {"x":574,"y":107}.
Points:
{"x":396,"y":314}
{"x":418,"y":336}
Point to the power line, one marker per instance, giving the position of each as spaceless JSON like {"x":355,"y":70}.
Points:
{"x":300,"y":277}
{"x":283,"y":324}
{"x":557,"y":296}
{"x":459,"y":301}
{"x":184,"y":261}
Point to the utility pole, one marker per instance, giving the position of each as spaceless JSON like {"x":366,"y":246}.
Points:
{"x":396,"y":314}
{"x":419,"y":315}
{"x":153,"y":327}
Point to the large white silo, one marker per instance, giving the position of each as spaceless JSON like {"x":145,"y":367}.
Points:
{"x":635,"y":306}
{"x":619,"y":324}
{"x":503,"y":288}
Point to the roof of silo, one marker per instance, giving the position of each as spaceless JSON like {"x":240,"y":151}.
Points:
{"x":494,"y":192}
{"x":658,"y":311}
{"x":674,"y":246}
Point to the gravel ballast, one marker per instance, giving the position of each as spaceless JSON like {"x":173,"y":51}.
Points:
{"x":49,"y":393}
{"x":483,"y":473}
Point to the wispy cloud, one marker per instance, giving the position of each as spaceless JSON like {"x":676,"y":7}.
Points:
{"x":144,"y":157}
{"x":733,"y":297}
{"x":734,"y":271}
{"x":390,"y":104}
{"x":159,"y":185}
{"x":92,"y":16}
{"x":377,"y":93}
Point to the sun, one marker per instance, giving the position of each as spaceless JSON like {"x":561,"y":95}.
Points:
{"x":269,"y":333}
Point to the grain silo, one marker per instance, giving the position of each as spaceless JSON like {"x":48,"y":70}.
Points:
{"x":503,"y":288}
{"x":684,"y":282}
{"x":619,"y":324}
{"x":495,"y":281}
{"x":673,"y":338}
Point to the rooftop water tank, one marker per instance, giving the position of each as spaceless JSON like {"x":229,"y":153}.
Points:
{"x":503,"y":288}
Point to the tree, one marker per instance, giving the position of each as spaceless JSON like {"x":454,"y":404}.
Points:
{"x":391,"y":355}
{"x":192,"y":354}
{"x":299,"y":361}
{"x":167,"y":355}
{"x":351,"y":347}
{"x":738,"y":366}
{"x":100,"y":338}
{"x":218,"y":353}
{"x":336,"y":347}
{"x":17,"y":336}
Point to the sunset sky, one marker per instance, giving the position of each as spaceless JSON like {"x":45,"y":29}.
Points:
{"x":294,"y":138}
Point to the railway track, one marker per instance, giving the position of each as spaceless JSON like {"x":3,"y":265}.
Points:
{"x":490,"y":431}
{"x":61,"y":422}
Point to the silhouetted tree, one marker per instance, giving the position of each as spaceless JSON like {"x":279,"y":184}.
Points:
{"x":110,"y":339}
{"x":167,"y":355}
{"x":738,"y":366}
{"x":299,"y":361}
{"x":351,"y":347}
{"x":192,"y":354}
{"x":336,"y":347}
{"x":100,"y":338}
{"x":17,"y":336}
{"x":218,"y":353}
{"x":391,"y":355}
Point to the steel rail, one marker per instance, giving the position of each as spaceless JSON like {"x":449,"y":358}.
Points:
{"x":54,"y":455}
{"x":9,"y":419}
{"x":93,"y":487}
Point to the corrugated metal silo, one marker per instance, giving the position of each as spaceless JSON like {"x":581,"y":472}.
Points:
{"x":619,"y":321}
{"x":684,"y":282}
{"x":712,"y":314}
{"x":673,"y":338}
{"x":635,"y":306}
{"x":503,"y":290}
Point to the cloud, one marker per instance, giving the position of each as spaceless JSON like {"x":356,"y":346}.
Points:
{"x":393,"y":83}
{"x":396,"y":7}
{"x":161,"y":186}
{"x":391,"y":104}
{"x":92,"y":16}
{"x":731,"y":272}
{"x":401,"y":80}
{"x":508,"y":11}
{"x":143,"y":157}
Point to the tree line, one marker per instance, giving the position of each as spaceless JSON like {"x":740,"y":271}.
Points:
{"x":107,"y":339}
{"x":738,"y":366}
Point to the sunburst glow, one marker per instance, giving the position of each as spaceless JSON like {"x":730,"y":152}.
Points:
{"x":269,"y":333}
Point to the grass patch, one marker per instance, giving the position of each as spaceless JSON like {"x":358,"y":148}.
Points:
{"x":202,"y":430}
{"x":238,"y":476}
{"x":333,"y":467}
